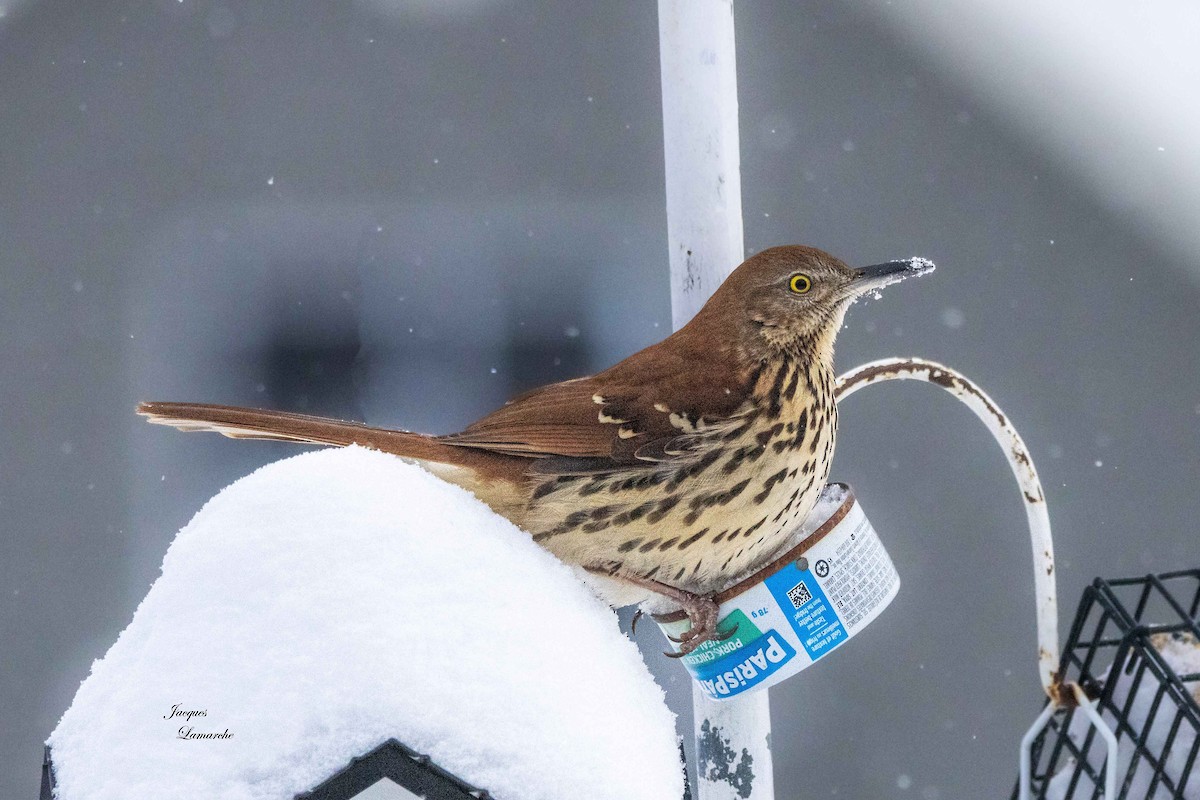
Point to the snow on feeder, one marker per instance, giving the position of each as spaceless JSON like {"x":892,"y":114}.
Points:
{"x":339,"y":599}
{"x":807,"y":602}
{"x":391,"y":771}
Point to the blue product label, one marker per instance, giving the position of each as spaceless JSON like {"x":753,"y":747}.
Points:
{"x":801,"y":599}
{"x":744,"y":668}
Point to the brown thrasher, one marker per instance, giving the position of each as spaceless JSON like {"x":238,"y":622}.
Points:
{"x":671,"y":472}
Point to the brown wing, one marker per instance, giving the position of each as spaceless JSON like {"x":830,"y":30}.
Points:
{"x":658,"y":405}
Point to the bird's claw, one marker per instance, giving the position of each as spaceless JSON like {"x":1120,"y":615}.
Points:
{"x":719,"y":636}
{"x":702,"y":612}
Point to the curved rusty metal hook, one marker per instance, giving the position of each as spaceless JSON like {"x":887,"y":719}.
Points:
{"x":1021,"y":463}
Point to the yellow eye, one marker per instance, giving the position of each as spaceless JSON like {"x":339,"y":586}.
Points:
{"x":800,"y":283}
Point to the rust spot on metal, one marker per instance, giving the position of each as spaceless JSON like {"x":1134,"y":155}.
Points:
{"x":936,"y":376}
{"x":944,"y":380}
{"x":996,"y":412}
{"x":866,"y":376}
{"x":1060,"y":693}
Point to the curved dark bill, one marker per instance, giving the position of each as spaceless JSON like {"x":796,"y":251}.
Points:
{"x":877,"y":276}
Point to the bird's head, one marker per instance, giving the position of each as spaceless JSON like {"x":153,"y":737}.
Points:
{"x":796,"y":297}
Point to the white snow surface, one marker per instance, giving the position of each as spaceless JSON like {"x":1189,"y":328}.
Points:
{"x":333,"y":600}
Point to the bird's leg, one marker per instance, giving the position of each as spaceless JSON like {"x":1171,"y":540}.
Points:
{"x":701,"y":610}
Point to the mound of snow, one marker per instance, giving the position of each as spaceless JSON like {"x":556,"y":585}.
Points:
{"x":334,"y":600}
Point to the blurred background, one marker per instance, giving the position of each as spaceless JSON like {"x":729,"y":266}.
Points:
{"x":405,"y":211}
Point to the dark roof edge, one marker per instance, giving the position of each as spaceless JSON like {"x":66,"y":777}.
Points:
{"x":394,"y":759}
{"x":391,"y":759}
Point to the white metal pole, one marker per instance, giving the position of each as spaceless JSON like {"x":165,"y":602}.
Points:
{"x":700,"y":132}
{"x":704,"y":232}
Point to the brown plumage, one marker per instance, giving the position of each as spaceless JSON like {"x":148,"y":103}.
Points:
{"x":670,"y":472}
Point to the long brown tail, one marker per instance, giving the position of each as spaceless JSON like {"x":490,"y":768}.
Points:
{"x":253,"y":423}
{"x":497,"y":479}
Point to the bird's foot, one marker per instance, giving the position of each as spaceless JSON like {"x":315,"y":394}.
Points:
{"x":701,"y":610}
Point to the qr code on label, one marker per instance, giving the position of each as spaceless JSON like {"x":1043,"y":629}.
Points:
{"x":799,"y":594}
